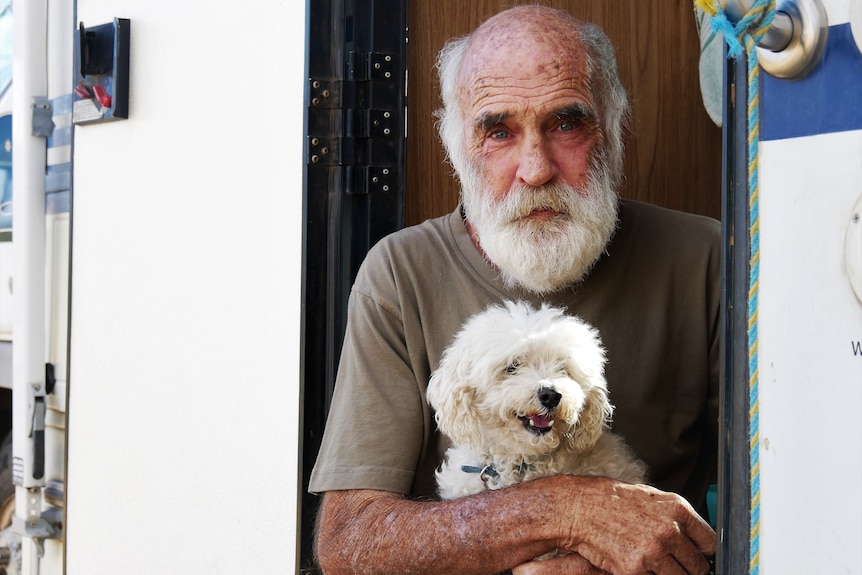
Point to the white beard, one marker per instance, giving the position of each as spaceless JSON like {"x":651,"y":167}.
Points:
{"x":543,"y":256}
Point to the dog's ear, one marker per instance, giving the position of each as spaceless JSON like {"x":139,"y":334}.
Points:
{"x":453,"y":405}
{"x":585,"y":364}
{"x":594,"y":416}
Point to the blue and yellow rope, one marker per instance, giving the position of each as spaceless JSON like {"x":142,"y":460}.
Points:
{"x":743,"y":37}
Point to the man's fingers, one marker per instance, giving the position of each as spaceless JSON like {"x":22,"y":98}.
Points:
{"x":691,"y":559}
{"x":686,"y":550}
{"x":701,"y":534}
{"x":572,"y":564}
{"x":672,"y":562}
{"x":669,"y":566}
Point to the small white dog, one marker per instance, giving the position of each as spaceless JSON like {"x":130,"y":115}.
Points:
{"x":521,"y":393}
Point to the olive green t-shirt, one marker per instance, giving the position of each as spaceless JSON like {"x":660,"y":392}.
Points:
{"x":654,"y":296}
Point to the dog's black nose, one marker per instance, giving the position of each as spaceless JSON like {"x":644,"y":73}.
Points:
{"x":549,"y":398}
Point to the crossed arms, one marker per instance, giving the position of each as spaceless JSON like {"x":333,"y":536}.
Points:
{"x":606,"y":525}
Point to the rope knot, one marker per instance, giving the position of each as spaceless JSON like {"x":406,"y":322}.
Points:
{"x":746,"y":33}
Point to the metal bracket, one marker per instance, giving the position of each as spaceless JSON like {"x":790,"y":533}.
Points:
{"x":796,"y":40}
{"x":370,"y":66}
{"x":43,"y":122}
{"x":369,"y":179}
{"x":49,"y":525}
{"x":323,"y":94}
{"x":324,"y":151}
{"x":367,"y":123}
{"x":360,"y":67}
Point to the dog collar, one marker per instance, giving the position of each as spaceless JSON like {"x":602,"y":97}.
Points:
{"x":484,"y":472}
{"x":488,"y":471}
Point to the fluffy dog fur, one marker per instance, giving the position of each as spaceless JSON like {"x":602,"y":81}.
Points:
{"x":521,"y":393}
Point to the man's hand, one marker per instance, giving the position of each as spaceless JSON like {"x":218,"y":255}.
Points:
{"x":635,"y":529}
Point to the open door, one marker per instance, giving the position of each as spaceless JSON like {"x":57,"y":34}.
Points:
{"x":673,"y":151}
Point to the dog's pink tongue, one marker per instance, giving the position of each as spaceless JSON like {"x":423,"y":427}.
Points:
{"x":541,"y":421}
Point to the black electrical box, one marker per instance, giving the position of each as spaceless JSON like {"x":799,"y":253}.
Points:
{"x":101,"y":89}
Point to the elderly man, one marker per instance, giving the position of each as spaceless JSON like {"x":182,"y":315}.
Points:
{"x":533,"y":123}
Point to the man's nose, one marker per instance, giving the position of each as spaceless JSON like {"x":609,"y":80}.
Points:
{"x":536,"y":166}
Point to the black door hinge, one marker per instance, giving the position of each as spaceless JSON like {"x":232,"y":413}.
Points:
{"x":373,"y":66}
{"x":352,"y":123}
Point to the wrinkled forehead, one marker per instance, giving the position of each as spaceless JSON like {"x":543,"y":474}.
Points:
{"x":521,"y":50}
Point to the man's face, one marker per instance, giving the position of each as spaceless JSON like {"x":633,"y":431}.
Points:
{"x":530,"y":120}
{"x":536,"y":191}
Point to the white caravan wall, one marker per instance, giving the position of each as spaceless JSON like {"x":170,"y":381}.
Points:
{"x":810,"y":319}
{"x":185,"y":339}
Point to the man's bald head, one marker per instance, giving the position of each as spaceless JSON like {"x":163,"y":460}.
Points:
{"x":532,"y":37}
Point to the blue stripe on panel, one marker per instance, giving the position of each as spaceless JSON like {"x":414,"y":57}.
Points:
{"x":62,"y":105}
{"x":60,"y":137}
{"x":58,"y":202}
{"x":58,"y":181}
{"x":828,"y":100}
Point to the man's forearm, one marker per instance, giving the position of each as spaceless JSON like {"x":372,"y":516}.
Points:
{"x":617,"y":527}
{"x":377,"y":532}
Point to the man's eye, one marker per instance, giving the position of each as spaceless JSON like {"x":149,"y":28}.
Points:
{"x":499,"y":134}
{"x":567,"y":126}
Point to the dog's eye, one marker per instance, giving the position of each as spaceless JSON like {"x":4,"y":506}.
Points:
{"x":512,"y":367}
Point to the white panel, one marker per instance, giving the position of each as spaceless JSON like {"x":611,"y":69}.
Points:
{"x":837,"y":11}
{"x":853,"y":249}
{"x":57,"y":298}
{"x":59,"y":155}
{"x":810,"y":326}
{"x":856,"y":21}
{"x":184,"y":397}
{"x":60,"y":42}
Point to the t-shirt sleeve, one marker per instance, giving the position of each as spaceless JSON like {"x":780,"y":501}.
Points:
{"x":374,"y":434}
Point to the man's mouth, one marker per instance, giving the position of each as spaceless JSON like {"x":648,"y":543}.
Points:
{"x":537,"y":423}
{"x":544,"y":212}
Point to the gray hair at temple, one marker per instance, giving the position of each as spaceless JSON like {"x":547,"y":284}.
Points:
{"x":604,"y":81}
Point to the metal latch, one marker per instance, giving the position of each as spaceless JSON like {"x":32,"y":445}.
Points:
{"x":37,"y":434}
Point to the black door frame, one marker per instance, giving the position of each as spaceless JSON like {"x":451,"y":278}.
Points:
{"x":354,"y":194}
{"x":734,"y":466}
{"x":354,"y":188}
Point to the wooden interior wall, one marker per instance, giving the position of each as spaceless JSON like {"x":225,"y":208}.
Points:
{"x":673,"y":158}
